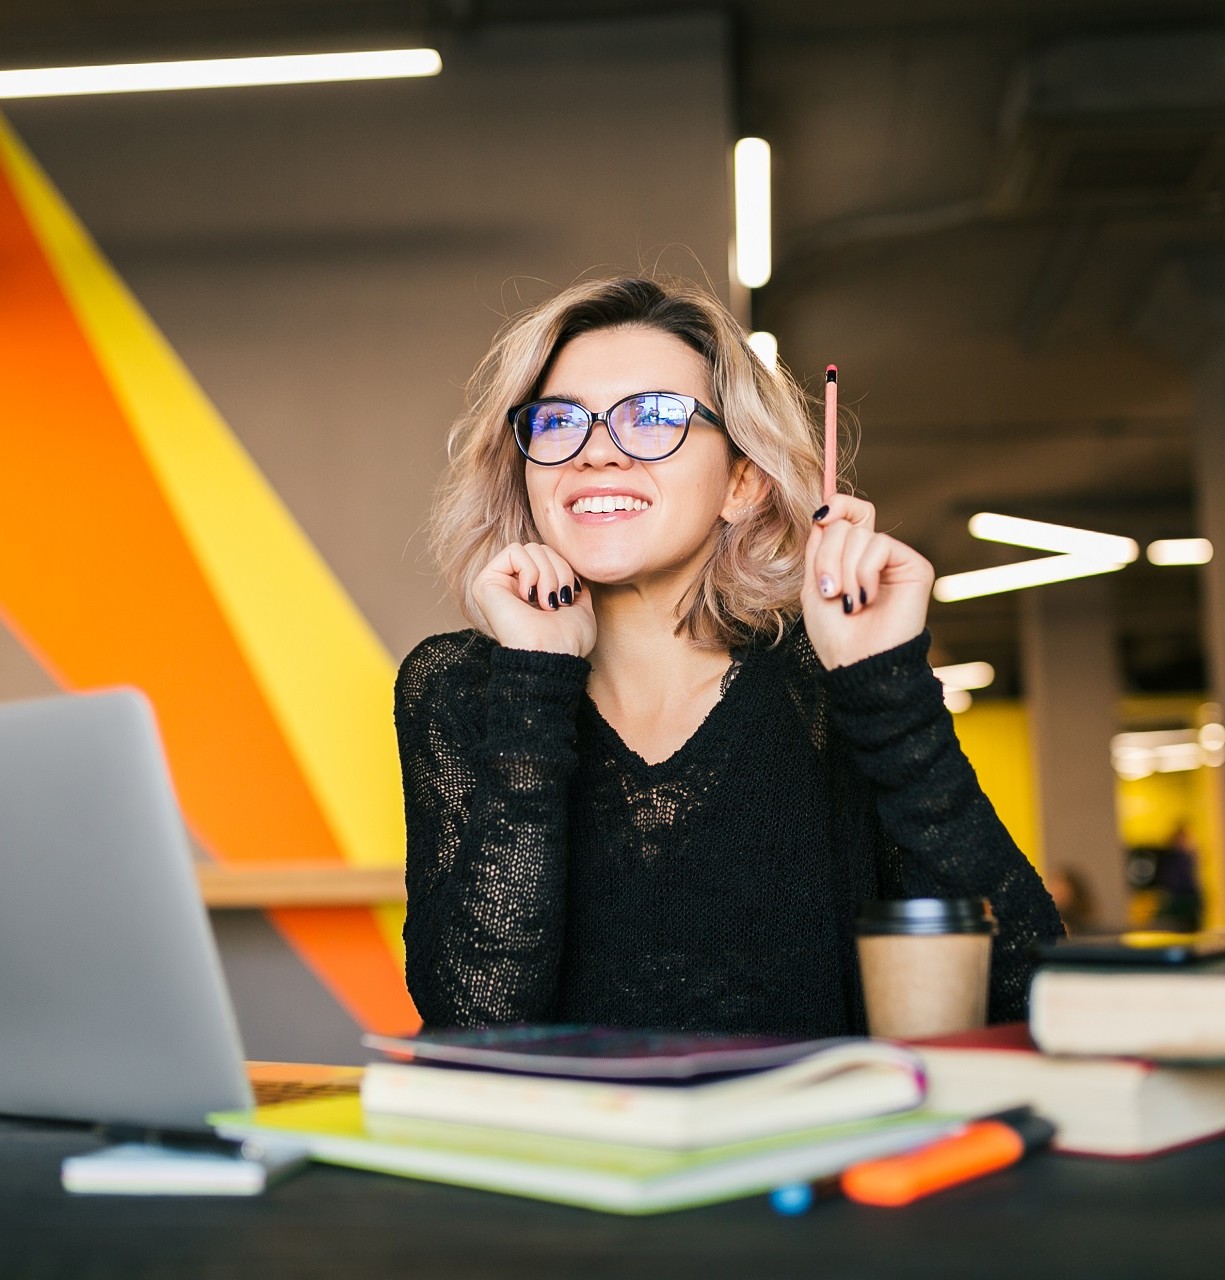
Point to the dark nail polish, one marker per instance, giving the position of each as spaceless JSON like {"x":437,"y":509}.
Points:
{"x":578,"y":587}
{"x":847,"y":604}
{"x":552,"y":599}
{"x":863,"y":595}
{"x":531,"y":595}
{"x":820,"y":513}
{"x":567,"y":596}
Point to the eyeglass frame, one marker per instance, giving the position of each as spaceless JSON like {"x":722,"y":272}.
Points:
{"x":692,"y":403}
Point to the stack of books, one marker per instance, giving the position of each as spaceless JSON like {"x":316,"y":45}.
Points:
{"x":615,"y":1120}
{"x":1124,"y":1049}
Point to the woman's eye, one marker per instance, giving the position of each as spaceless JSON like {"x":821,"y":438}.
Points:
{"x":555,"y":422}
{"x":657,"y":414}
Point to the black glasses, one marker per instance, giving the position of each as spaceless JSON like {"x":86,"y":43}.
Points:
{"x":648,"y":427}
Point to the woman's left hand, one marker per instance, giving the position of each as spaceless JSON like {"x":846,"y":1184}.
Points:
{"x":864,"y":592}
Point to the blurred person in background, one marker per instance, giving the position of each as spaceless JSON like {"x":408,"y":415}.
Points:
{"x":1165,"y":887}
{"x":1072,"y":898}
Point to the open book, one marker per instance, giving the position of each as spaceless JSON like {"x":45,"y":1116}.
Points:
{"x":701,"y":1091}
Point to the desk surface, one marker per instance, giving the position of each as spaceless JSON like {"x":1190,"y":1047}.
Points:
{"x":1053,"y":1216}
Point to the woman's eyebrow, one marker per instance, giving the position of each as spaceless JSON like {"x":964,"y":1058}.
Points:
{"x":577,"y":399}
{"x":560,"y":395}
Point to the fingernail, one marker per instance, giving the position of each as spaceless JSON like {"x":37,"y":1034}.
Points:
{"x":578,"y":587}
{"x":821,"y":512}
{"x":825,"y":585}
{"x":552,"y":599}
{"x":567,"y":596}
{"x":848,"y":604}
{"x":531,"y":595}
{"x":863,"y":595}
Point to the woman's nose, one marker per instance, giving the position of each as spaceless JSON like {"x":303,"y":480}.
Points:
{"x":600,"y":451}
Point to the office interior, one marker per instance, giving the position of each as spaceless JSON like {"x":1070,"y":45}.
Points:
{"x":1003,"y":223}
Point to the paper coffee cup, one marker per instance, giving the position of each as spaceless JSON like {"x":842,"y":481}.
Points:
{"x":925,"y":965}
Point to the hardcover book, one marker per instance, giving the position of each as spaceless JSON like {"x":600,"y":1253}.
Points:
{"x":1173,"y":1013}
{"x":1112,"y":1106}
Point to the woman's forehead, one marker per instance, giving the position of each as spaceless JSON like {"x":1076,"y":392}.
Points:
{"x":606,"y":364}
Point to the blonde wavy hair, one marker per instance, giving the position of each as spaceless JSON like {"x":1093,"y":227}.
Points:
{"x":749,"y":585}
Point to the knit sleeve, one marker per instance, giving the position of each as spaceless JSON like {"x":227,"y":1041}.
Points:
{"x":486,"y":739}
{"x":890,"y":709}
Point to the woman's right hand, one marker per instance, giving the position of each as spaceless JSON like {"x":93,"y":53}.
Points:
{"x":532,"y":599}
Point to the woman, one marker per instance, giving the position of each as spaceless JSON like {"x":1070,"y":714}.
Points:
{"x":695,"y":726}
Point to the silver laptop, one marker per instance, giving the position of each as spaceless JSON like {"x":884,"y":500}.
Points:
{"x":113,"y":1005}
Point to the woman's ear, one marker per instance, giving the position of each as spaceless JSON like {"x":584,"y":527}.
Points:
{"x":747,"y":487}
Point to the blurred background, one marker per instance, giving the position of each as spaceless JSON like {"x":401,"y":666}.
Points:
{"x":1004,"y":222}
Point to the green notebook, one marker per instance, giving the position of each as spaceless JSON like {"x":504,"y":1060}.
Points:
{"x":596,"y":1175}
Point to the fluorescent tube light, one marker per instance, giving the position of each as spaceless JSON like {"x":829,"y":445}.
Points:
{"x":765,"y":347}
{"x":1041,"y":536}
{"x":1136,"y":755}
{"x":965,"y":675}
{"x":1150,"y":739}
{"x":957,"y":700}
{"x":219,"y":73}
{"x":1212,"y":738}
{"x":959,"y":678}
{"x":751,"y":177}
{"x":1015,"y":577}
{"x":1177,"y":759}
{"x":1179,"y":551}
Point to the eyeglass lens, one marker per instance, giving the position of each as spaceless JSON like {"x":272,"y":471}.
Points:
{"x":648,"y":427}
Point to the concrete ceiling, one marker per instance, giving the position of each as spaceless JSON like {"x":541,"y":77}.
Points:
{"x":975,"y":207}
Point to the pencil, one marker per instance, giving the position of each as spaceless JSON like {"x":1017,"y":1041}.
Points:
{"x":830,"y":469}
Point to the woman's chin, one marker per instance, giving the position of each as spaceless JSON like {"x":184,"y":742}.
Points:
{"x":605,"y":575}
{"x":633,"y":566}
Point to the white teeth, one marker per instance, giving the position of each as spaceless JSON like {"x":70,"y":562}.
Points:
{"x":608,"y":502}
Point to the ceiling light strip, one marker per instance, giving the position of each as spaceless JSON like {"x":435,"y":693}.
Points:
{"x":1015,"y":577}
{"x":965,"y":675}
{"x":1167,"y":551}
{"x":219,"y":73}
{"x":751,"y":178}
{"x":765,"y":346}
{"x":1040,"y":536}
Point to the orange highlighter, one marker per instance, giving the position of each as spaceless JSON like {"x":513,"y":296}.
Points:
{"x":982,"y":1147}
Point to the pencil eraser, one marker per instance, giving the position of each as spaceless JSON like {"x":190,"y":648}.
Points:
{"x":831,"y":373}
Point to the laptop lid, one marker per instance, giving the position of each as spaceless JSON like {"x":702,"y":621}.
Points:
{"x":113,"y":1005}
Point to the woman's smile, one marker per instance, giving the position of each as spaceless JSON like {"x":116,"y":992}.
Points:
{"x":595,"y":506}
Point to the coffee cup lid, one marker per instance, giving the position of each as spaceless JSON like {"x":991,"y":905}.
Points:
{"x":926,"y":915}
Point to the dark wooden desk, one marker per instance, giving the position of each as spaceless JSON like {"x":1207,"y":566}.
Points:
{"x":1054,"y":1216}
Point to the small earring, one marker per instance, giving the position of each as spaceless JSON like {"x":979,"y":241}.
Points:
{"x":744,"y":511}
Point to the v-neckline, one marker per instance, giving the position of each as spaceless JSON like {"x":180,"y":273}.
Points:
{"x":708,"y":726}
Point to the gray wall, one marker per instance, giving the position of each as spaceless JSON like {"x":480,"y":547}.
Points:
{"x":331,"y":261}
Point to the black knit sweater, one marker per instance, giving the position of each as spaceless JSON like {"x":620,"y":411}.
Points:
{"x":553,"y":875}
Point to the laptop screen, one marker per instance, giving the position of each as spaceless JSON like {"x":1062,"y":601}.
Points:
{"x":113,"y":1006}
